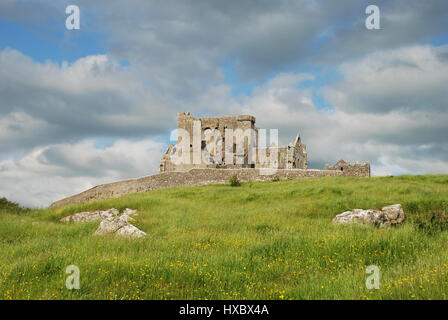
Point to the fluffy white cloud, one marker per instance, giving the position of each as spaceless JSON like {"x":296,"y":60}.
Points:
{"x":410,"y":78}
{"x":47,"y":174}
{"x":93,"y":97}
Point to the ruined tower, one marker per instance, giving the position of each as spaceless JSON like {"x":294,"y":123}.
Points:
{"x":228,"y":142}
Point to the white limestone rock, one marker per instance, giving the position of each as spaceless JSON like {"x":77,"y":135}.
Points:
{"x":130,"y":212}
{"x":393,"y":215}
{"x":112,"y":222}
{"x":129,"y":230}
{"x":120,"y":227}
{"x":387,"y":216}
{"x":91,"y":216}
{"x":110,"y":225}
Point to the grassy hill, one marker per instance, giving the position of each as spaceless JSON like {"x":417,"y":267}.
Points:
{"x":266,"y":240}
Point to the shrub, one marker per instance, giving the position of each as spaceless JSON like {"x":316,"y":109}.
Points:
{"x":7,"y":206}
{"x":275,"y":179}
{"x":234,"y":182}
{"x":433,"y":223}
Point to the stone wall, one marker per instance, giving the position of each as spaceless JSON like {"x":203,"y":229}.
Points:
{"x":356,"y":169}
{"x":196,"y":177}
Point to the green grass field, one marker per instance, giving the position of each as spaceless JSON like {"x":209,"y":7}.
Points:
{"x":265,"y":240}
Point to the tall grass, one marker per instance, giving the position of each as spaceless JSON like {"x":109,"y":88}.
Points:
{"x":264,"y":240}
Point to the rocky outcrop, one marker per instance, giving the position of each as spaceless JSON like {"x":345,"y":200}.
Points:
{"x":112,"y":222}
{"x":91,"y":216}
{"x":119,"y":226}
{"x":387,"y":216}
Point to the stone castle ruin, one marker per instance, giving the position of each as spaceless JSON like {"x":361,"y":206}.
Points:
{"x":212,"y":150}
{"x":228,"y":142}
{"x":357,"y":169}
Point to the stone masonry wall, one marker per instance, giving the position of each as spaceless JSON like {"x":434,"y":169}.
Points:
{"x":356,"y":169}
{"x":194,"y":177}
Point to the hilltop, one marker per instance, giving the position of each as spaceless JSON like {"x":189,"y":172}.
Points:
{"x":262,"y":240}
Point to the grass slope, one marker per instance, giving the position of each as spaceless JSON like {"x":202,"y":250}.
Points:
{"x":266,"y":240}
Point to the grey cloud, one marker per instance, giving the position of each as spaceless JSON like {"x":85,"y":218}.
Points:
{"x":48,"y":103}
{"x":410,"y":78}
{"x":175,"y":42}
{"x":44,"y":175}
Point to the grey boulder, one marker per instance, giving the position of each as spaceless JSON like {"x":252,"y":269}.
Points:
{"x":91,"y":216}
{"x":119,"y":226}
{"x":388,"y":216}
{"x":112,"y":222}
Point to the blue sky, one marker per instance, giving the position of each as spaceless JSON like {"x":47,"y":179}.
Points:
{"x":52,"y":42}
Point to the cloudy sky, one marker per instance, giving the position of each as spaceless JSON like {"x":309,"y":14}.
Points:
{"x":83,"y":107}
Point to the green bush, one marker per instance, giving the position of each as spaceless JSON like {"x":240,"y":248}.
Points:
{"x":234,"y":182}
{"x":432,"y":223}
{"x":7,"y":206}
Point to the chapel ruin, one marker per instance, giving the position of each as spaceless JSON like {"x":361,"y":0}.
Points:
{"x":229,"y":142}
